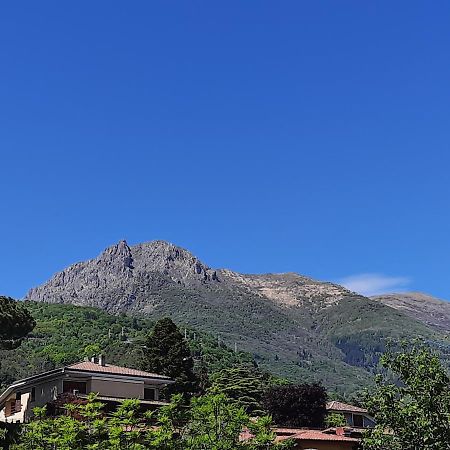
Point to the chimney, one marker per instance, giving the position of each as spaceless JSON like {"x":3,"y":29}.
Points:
{"x":101,"y":360}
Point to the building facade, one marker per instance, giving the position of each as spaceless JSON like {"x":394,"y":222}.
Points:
{"x":111,"y":383}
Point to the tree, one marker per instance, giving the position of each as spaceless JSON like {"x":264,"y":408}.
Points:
{"x":302,"y":405}
{"x":242,"y":383}
{"x":215,"y":422}
{"x":412,"y":410}
{"x":167,"y":353}
{"x":124,"y":428}
{"x":3,"y":434}
{"x":91,"y":350}
{"x":208,"y":423}
{"x":15,"y":323}
{"x":335,"y":420}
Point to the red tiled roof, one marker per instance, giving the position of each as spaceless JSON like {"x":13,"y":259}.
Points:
{"x":316,"y":435}
{"x":284,"y":434}
{"x":279,"y":430}
{"x":344,"y":407}
{"x":89,"y":366}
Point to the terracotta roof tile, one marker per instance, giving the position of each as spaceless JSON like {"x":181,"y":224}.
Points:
{"x":316,"y":435}
{"x":284,"y":434}
{"x":89,"y":366}
{"x":345,"y":407}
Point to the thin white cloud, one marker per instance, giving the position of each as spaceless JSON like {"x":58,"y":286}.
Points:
{"x":374,"y":283}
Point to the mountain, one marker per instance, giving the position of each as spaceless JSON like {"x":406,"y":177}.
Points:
{"x":294,"y":326}
{"x":425,"y":308}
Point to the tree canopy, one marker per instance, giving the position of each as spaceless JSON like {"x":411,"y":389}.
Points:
{"x":166,"y":352}
{"x":301,"y":405}
{"x":412,"y":409}
{"x":15,"y":323}
{"x":210,"y":422}
{"x":243,"y":383}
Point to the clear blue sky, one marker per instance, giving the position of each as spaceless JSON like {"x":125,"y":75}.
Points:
{"x":308,"y":136}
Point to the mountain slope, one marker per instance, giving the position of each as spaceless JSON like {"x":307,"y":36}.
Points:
{"x":425,"y":308}
{"x":295,"y":326}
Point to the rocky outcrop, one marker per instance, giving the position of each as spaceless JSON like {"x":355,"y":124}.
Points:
{"x":109,"y":281}
{"x":114,"y":279}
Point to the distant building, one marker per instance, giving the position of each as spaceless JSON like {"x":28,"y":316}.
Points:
{"x":309,"y":439}
{"x":356,"y":417}
{"x":113,"y":384}
{"x":332,"y":439}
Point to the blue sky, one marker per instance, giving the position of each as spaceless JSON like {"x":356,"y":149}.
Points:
{"x":307,"y":136}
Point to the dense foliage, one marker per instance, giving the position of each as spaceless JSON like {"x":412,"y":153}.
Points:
{"x":15,"y":323}
{"x":209,"y":423}
{"x":166,"y":352}
{"x":302,"y":405}
{"x":335,"y":420}
{"x":412,"y":410}
{"x":243,"y":383}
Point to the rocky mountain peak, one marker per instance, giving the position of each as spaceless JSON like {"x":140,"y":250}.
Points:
{"x":176,"y":262}
{"x":121,"y":248}
{"x":111,"y":279}
{"x":117,"y":256}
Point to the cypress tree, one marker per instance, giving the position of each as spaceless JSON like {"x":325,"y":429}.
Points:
{"x":167,"y":353}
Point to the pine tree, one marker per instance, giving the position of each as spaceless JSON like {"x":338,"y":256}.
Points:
{"x":15,"y":323}
{"x":167,"y":353}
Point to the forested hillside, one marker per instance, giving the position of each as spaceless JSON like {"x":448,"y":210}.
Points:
{"x":65,"y":334}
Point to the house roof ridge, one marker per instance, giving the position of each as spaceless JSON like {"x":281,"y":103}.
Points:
{"x":341,"y":406}
{"x":112,"y":369}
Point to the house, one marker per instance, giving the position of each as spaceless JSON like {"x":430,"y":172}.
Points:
{"x":356,"y":417}
{"x":310,"y":439}
{"x":112,"y":383}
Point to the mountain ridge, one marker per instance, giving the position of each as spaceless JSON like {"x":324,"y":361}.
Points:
{"x":294,"y":326}
{"x":430,"y":310}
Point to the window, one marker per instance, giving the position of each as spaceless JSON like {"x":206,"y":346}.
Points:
{"x":72,"y":386}
{"x":149,"y":394}
{"x":368,"y":423}
{"x":33,"y":395}
{"x":16,"y":406}
{"x":358,"y":421}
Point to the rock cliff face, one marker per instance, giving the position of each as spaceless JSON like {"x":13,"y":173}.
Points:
{"x":295,"y":326}
{"x":113,"y":279}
